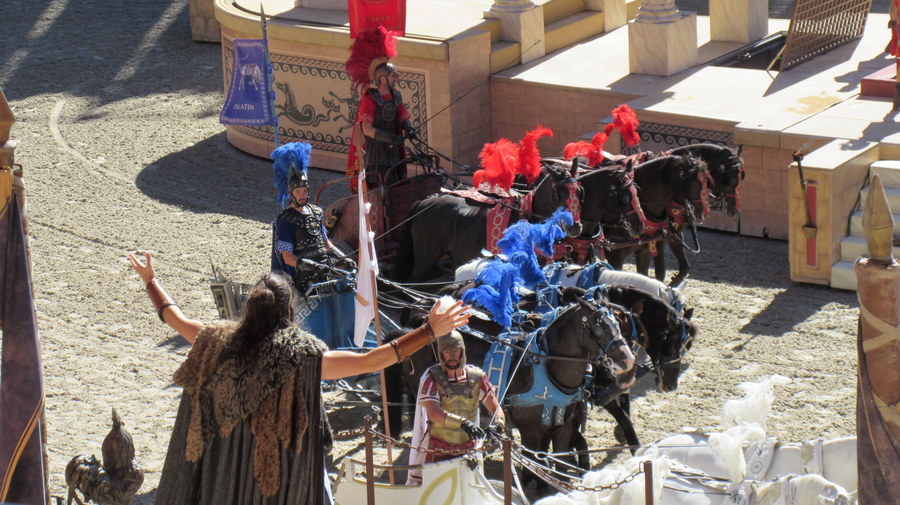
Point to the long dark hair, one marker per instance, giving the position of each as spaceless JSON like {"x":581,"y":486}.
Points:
{"x":268,"y":309}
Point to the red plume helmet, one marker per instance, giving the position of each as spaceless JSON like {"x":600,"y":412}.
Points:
{"x":529,"y":156}
{"x":372,"y":48}
{"x":499,"y":162}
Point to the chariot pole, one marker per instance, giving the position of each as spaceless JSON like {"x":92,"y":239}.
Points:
{"x":878,"y":348}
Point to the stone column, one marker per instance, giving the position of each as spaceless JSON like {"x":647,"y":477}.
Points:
{"x":204,"y":26}
{"x":878,"y":348}
{"x":522,"y":22}
{"x":615,"y":12}
{"x":738,"y":20}
{"x":661,"y":39}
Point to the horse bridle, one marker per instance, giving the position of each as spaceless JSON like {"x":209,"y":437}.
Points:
{"x":685,"y":339}
{"x":635,"y":204}
{"x":589,"y":322}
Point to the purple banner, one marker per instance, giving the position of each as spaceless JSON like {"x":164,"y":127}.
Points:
{"x":248,"y":101}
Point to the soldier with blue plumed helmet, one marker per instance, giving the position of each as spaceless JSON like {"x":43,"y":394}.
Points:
{"x":298,"y":232}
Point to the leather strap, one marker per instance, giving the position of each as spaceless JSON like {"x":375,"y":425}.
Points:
{"x":406,"y":345}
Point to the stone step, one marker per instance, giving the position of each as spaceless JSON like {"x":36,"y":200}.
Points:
{"x":505,"y":55}
{"x":887,"y":170}
{"x":892,"y":193}
{"x":855,"y":246}
{"x":572,"y":29}
{"x":843,"y":276}
{"x":856,"y":224}
{"x":555,"y":10}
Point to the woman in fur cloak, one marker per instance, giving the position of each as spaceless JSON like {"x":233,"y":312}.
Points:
{"x":250,"y":424}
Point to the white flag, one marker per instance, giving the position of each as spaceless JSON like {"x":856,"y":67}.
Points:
{"x":367,"y":269}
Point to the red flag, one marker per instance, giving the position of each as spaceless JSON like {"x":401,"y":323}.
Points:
{"x":366,"y":14}
{"x":21,"y":375}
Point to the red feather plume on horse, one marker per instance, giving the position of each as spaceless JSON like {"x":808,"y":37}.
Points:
{"x":373,"y":46}
{"x":529,"y":156}
{"x":499,"y":162}
{"x":593,"y":151}
{"x":625,"y":119}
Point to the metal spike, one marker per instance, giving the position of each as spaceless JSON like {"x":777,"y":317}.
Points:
{"x":878,"y":223}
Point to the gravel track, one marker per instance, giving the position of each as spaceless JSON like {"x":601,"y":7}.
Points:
{"x":118,"y":126}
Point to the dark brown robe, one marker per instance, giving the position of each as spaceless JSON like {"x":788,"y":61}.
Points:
{"x":248,"y":434}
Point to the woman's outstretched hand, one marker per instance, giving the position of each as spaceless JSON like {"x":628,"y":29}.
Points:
{"x":445,"y":322}
{"x":145,"y":271}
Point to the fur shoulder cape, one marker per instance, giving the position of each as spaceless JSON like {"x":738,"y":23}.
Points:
{"x":274,"y":393}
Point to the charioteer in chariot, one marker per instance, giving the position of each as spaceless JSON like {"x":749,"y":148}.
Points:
{"x":447,"y":407}
{"x":298,"y":232}
{"x":382,"y":121}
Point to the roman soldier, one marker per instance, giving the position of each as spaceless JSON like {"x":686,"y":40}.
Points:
{"x":447,"y":406}
{"x":382,"y":121}
{"x":298,"y":232}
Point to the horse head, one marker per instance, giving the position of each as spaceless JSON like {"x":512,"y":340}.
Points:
{"x":604,"y":336}
{"x":611,"y":198}
{"x":559,"y":188}
{"x":727,"y":176}
{"x":726,"y":170}
{"x":678,"y":340}
{"x":693,"y":193}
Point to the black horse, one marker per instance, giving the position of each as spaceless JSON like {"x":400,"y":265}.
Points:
{"x":726,"y":173}
{"x":665,"y":335}
{"x":726,"y":170}
{"x":610,"y":200}
{"x":670,"y":188}
{"x":583,"y":333}
{"x":451,"y":227}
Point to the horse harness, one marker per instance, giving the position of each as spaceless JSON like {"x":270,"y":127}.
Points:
{"x":504,"y":203}
{"x":543,"y":390}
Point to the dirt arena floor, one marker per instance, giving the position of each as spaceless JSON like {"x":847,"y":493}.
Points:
{"x":119,"y":137}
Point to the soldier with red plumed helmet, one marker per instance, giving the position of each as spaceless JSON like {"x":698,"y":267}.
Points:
{"x":382,"y":121}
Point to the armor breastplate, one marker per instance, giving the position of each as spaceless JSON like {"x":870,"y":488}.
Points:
{"x":308,"y":239}
{"x":460,"y":398}
{"x":385,"y":118}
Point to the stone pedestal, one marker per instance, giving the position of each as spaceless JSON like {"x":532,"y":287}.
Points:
{"x":204,"y":26}
{"x":738,"y":20}
{"x":615,"y":12}
{"x":522,"y":22}
{"x":662,"y":44}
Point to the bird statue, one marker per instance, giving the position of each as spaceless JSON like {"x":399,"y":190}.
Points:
{"x":116,"y":481}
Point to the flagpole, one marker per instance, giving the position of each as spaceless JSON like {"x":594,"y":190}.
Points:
{"x":270,"y":77}
{"x":363,"y":191}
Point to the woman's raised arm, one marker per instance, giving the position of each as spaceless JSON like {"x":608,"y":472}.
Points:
{"x":340,"y":364}
{"x":168,"y":311}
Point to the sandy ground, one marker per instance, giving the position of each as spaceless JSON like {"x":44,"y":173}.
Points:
{"x":118,"y":126}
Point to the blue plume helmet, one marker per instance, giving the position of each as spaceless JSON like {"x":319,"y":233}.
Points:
{"x":291,"y":162}
{"x":496,"y":291}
